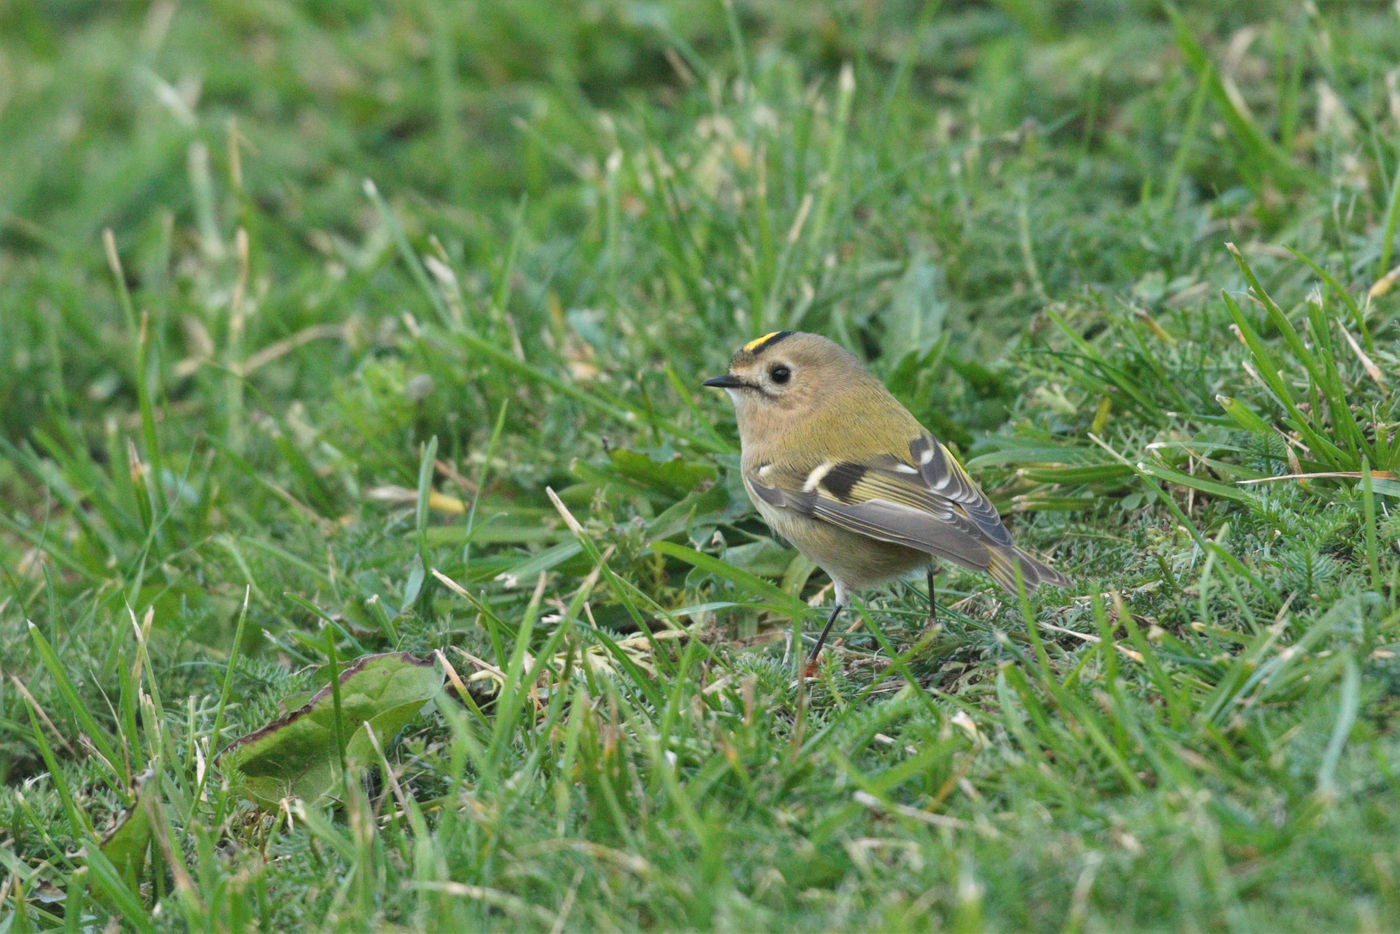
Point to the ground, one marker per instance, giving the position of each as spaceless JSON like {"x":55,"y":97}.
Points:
{"x":336,"y":330}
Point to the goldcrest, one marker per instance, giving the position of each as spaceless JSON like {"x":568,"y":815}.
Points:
{"x":840,"y":469}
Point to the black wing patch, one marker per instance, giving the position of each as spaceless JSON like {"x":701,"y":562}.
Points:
{"x":842,"y":478}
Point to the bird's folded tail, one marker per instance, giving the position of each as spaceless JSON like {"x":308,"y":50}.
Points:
{"x":1004,"y":562}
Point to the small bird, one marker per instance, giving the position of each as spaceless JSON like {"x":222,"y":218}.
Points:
{"x":841,"y":470}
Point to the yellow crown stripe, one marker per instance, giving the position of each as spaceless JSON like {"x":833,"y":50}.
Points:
{"x":758,"y":343}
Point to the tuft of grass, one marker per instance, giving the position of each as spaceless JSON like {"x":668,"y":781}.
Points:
{"x":335,"y":332}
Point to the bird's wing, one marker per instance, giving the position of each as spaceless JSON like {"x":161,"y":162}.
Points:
{"x":945,"y":477}
{"x":925,"y":501}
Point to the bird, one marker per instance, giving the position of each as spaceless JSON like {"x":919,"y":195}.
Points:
{"x":838,"y":467}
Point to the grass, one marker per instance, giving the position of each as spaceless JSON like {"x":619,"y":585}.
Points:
{"x":328,"y":332}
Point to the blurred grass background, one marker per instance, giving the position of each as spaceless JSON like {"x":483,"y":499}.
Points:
{"x":255,"y":258}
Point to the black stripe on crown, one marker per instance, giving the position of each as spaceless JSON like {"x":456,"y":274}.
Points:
{"x":759,"y":344}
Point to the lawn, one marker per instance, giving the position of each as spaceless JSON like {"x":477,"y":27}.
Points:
{"x":330,"y":331}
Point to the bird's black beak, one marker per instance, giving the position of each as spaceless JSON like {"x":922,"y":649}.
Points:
{"x":727,"y":381}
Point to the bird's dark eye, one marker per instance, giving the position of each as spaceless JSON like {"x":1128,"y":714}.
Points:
{"x":780,"y":374}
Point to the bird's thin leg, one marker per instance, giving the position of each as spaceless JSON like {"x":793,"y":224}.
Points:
{"x":830,"y":621}
{"x":932,"y":601}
